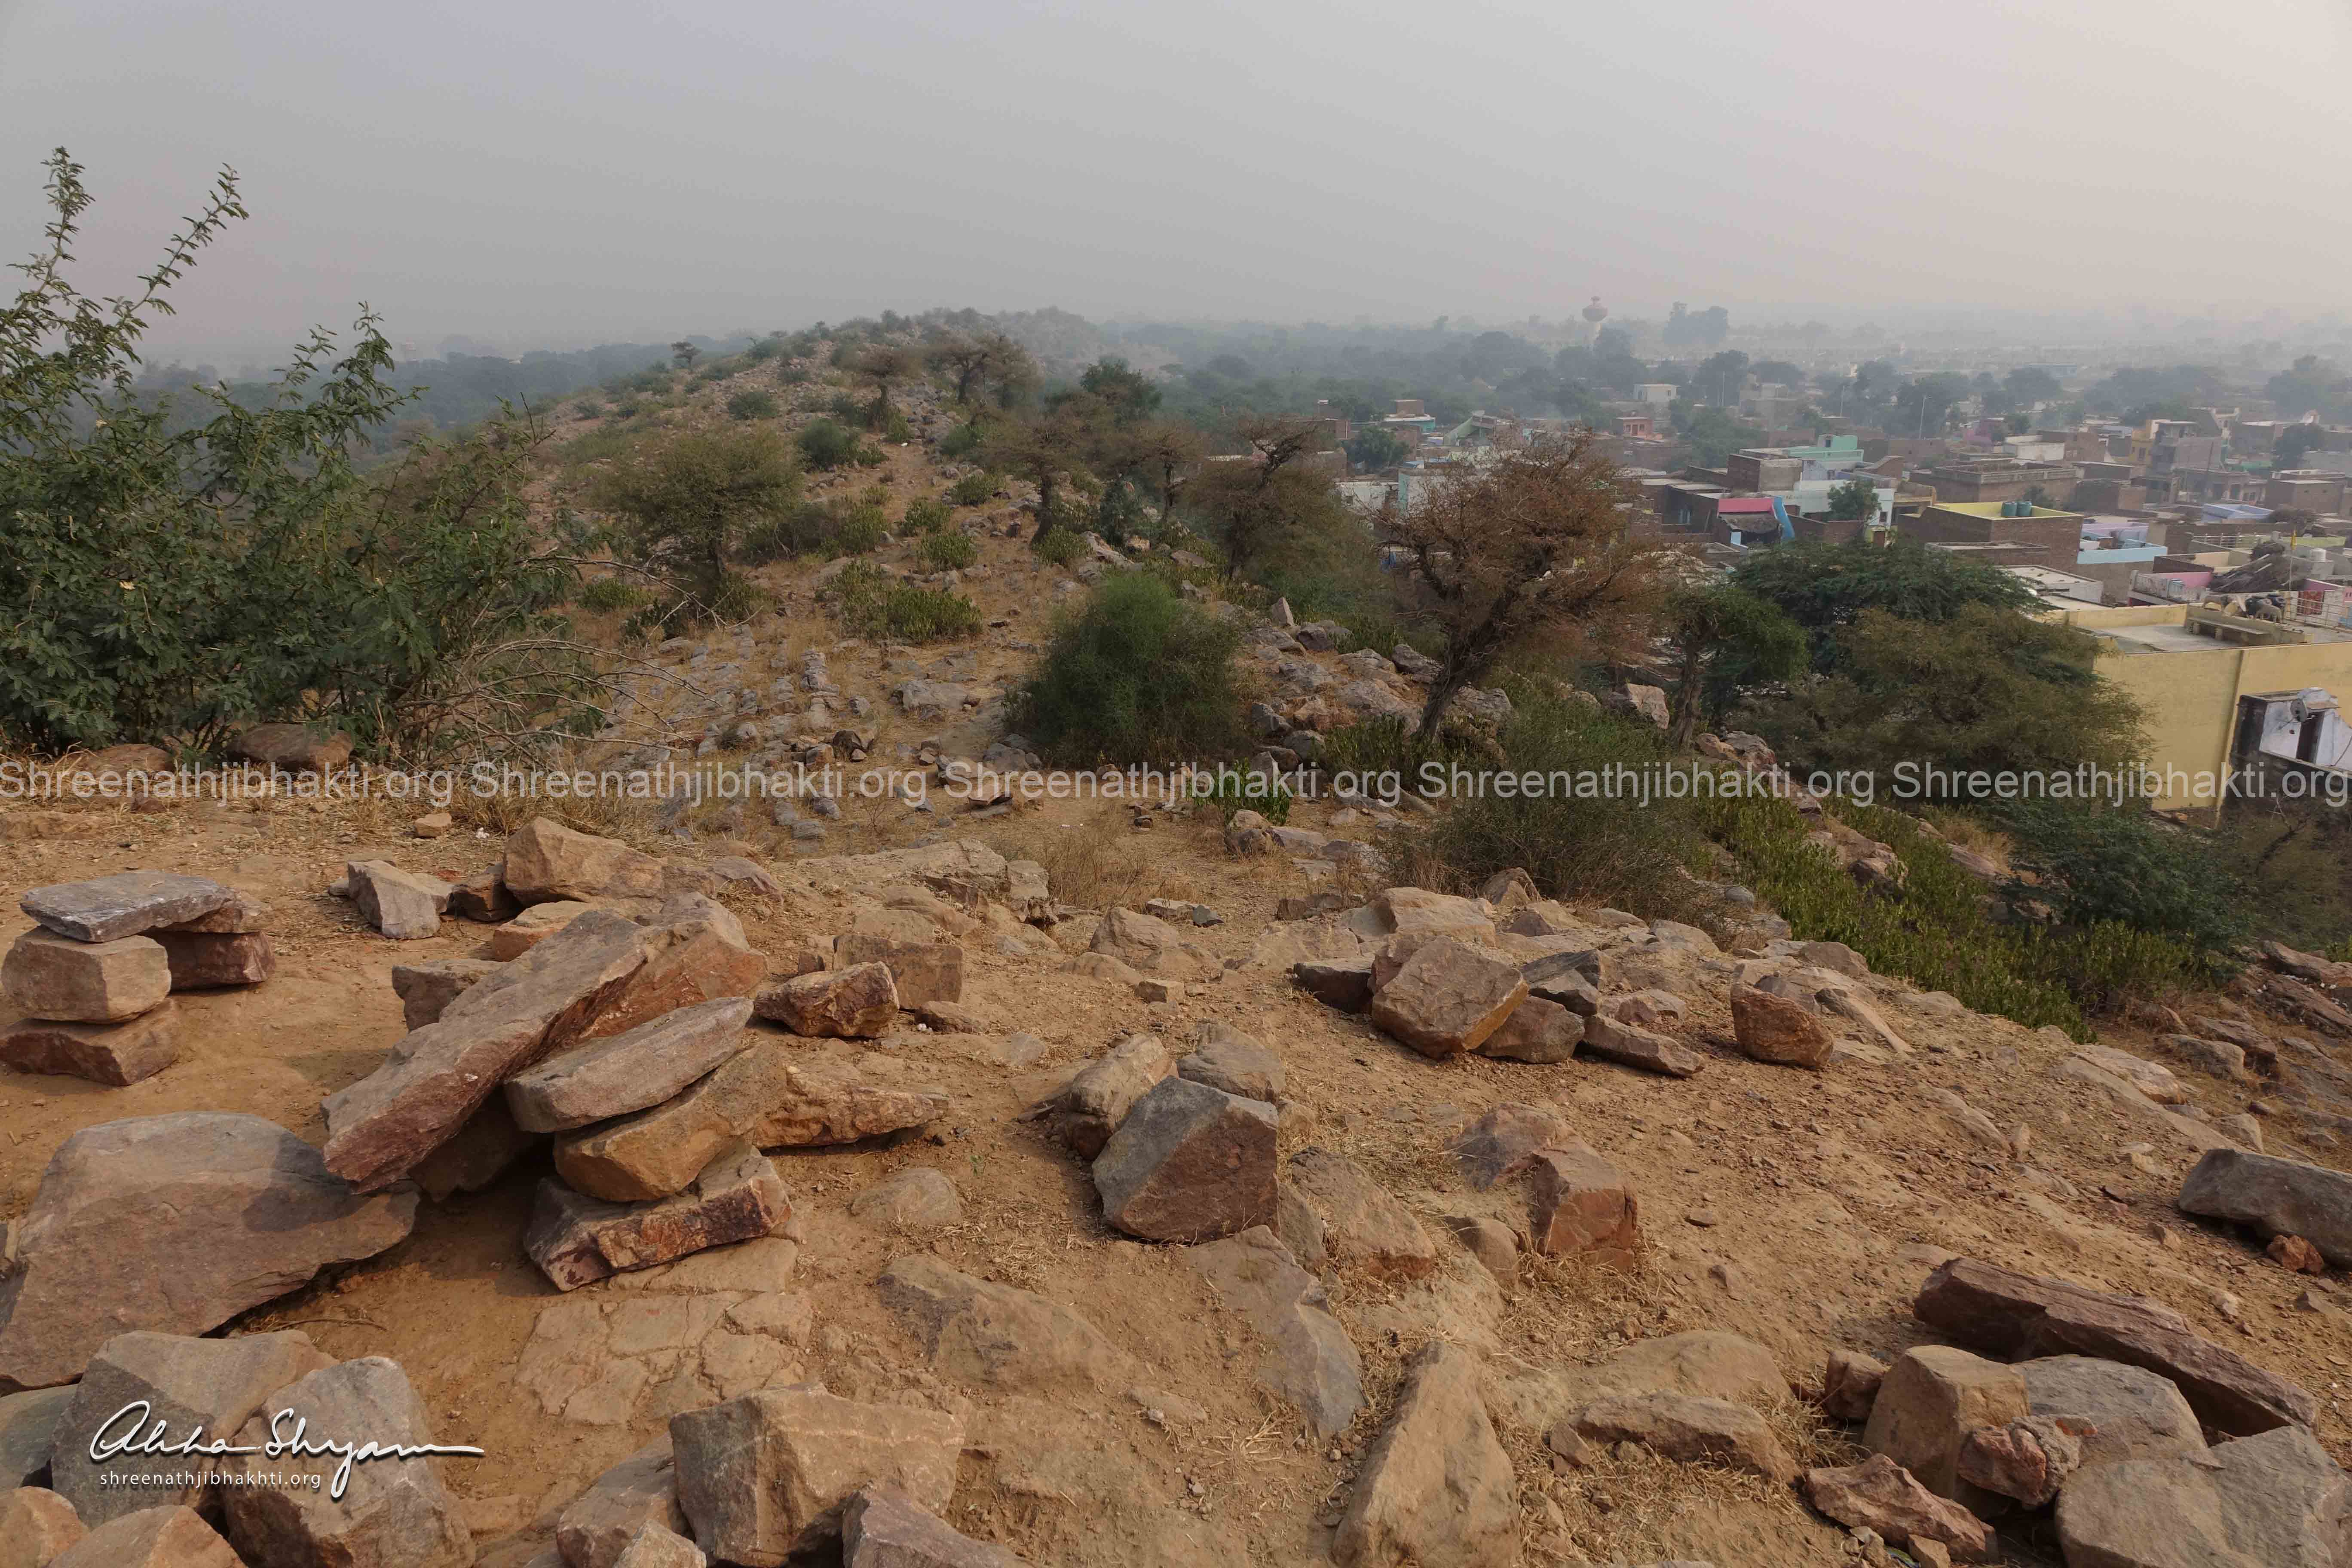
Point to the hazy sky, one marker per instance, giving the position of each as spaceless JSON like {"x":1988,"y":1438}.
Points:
{"x":533,"y":172}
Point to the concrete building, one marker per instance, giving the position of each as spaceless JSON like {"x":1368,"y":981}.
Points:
{"x":1979,"y":479}
{"x":2032,"y":536}
{"x":2305,"y":489}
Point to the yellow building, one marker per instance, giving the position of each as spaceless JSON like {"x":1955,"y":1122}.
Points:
{"x":2195,"y":672}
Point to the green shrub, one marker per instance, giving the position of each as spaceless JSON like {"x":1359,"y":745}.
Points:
{"x":1059,"y":547}
{"x":975,"y":490}
{"x":2096,"y":864}
{"x":873,"y":603}
{"x":790,"y":374}
{"x":1233,"y":790}
{"x":824,"y":445}
{"x":961,"y":441}
{"x":606,"y":593}
{"x":589,"y":409}
{"x":845,"y":406}
{"x":867,"y":455}
{"x":693,"y":500}
{"x":752,"y":404}
{"x":895,"y":429}
{"x":628,"y":408}
{"x":948,"y":552}
{"x":1136,"y":675}
{"x":926,"y":515}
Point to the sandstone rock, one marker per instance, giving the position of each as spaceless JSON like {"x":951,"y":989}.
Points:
{"x":116,"y":1054}
{"x":1773,"y":1028}
{"x":157,"y":1538}
{"x":476,"y":1154}
{"x":1536,"y":1031}
{"x":2153,"y":1079}
{"x":28,"y":1427}
{"x":483,"y":897}
{"x":1929,"y":1400}
{"x":404,"y":905}
{"x":656,"y":1546}
{"x":1705,"y":1363}
{"x":227,"y":1212}
{"x":390,"y":1511}
{"x":243,"y":915}
{"x":438,"y":1076}
{"x":1308,"y":1360}
{"x":1505,"y":1139}
{"x":1189,"y":1163}
{"x":1418,"y":911}
{"x":1363,"y":1223}
{"x":184,"y":1382}
{"x":52,"y":976}
{"x":36,"y":1527}
{"x":1492,"y":1243}
{"x":1688,"y":1429}
{"x":687,"y":962}
{"x":641,"y":1489}
{"x":1850,"y":1384}
{"x":532,"y":926}
{"x":2275,"y":1500}
{"x":1880,"y":1495}
{"x":2275,"y":1197}
{"x":297,"y":748}
{"x":125,"y":904}
{"x":1150,"y":946}
{"x":576,"y":1240}
{"x":2134,"y":1413}
{"x":995,"y":1335}
{"x":1582,"y":1204}
{"x":1087,"y":1109}
{"x":205,"y":961}
{"x":855,"y":1002}
{"x":1225,"y":1059}
{"x":1436,"y":1487}
{"x":1342,"y":983}
{"x":2295,"y":1255}
{"x":623,"y":1073}
{"x":918,"y":1198}
{"x":923,"y":972}
{"x":764,"y":1474}
{"x":1629,"y":1045}
{"x":2008,"y":1313}
{"x":824,"y":1103}
{"x":546,"y":861}
{"x":1447,"y":998}
{"x":426,"y":990}
{"x":2026,"y":1460}
{"x":882,"y":1530}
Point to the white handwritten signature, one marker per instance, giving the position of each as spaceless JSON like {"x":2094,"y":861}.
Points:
{"x":140,"y":1439}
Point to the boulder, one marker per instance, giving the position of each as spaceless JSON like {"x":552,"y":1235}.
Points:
{"x":2026,"y":1460}
{"x":1629,"y":1045}
{"x":997,"y":1336}
{"x":439,"y":1075}
{"x":36,"y":1527}
{"x":1580,"y":1203}
{"x":1492,"y":1243}
{"x":1225,"y":1059}
{"x":822,"y":1103}
{"x":917,"y":1198}
{"x":880,"y":1528}
{"x":185,"y":1384}
{"x":116,"y":1054}
{"x":855,"y":1002}
{"x":404,"y":905}
{"x":546,"y":861}
{"x":1342,"y":983}
{"x":2276,"y":1197}
{"x":2271,"y":1501}
{"x":641,"y":1489}
{"x":1928,"y":1402}
{"x":1413,"y":911}
{"x":532,"y":926}
{"x":1536,"y":1031}
{"x":576,"y":1239}
{"x":2214,"y":1058}
{"x":923,"y":972}
{"x":689,"y":961}
{"x":621,"y":1073}
{"x":427,"y":989}
{"x":1850,"y":1384}
{"x":765,"y":1474}
{"x":483,"y":897}
{"x":1447,"y":998}
{"x":657,"y":1546}
{"x":243,"y":915}
{"x":53,"y":976}
{"x":1189,"y":1163}
{"x":1688,"y":1429}
{"x":1705,"y":1363}
{"x":2134,"y":1413}
{"x":1880,"y":1495}
{"x":2153,"y":1079}
{"x":1150,"y":946}
{"x":1436,"y":1487}
{"x":1503,"y":1140}
{"x":2006,"y":1313}
{"x":156,"y":1538}
{"x":128,"y":903}
{"x":1086,"y":1110}
{"x":1363,"y":1223}
{"x":1308,"y":1359}
{"x":207,"y":961}
{"x":174,"y":1224}
{"x":386,"y":1511}
{"x":1778,"y":1029}
{"x":28,"y":1428}
{"x":295,"y":748}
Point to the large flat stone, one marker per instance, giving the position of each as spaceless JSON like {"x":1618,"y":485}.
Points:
{"x":922,"y":972}
{"x":1880,"y":1495}
{"x":2277,"y":1197}
{"x":1189,"y":1163}
{"x":2135,"y":1413}
{"x":546,"y":861}
{"x":1308,"y":1359}
{"x":2273,"y":1500}
{"x":404,"y":905}
{"x":622,"y":1073}
{"x":577,"y":1240}
{"x":174,"y":1224}
{"x":857,"y":1003}
{"x":124,"y":904}
{"x":1689,"y":1428}
{"x":998,"y":1336}
{"x":1436,"y":1486}
{"x":52,"y":976}
{"x":1447,"y":998}
{"x":115,"y":1054}
{"x":28,"y":1428}
{"x":156,"y":1538}
{"x":1629,"y":1045}
{"x":882,"y":1530}
{"x":207,"y":961}
{"x":1364,"y":1225}
{"x":390,"y":1511}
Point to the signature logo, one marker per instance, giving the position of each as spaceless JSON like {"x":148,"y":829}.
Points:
{"x":128,"y":1432}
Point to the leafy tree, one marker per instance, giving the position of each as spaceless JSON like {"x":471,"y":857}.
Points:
{"x":2093,"y":861}
{"x":1825,"y":588}
{"x":1533,"y":546}
{"x":2294,"y":444}
{"x":1726,"y":638}
{"x":1720,"y":377}
{"x":1375,"y":448}
{"x":752,"y":404}
{"x":1048,"y":453}
{"x":691,"y":499}
{"x":882,"y":367}
{"x":977,"y":362}
{"x":1713,"y":435}
{"x":1704,"y":330}
{"x":170,"y":573}
{"x":1138,"y":676}
{"x":1247,"y":506}
{"x":2029,"y":385}
{"x":1923,"y":406}
{"x":685,"y":353}
{"x":1779,"y":371}
{"x":825,"y":445}
{"x":1853,"y":501}
{"x":1127,"y":397}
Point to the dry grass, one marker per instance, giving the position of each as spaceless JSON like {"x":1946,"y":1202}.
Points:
{"x":1095,"y":865}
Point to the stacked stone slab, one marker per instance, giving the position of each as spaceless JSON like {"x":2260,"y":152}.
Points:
{"x":94,"y":977}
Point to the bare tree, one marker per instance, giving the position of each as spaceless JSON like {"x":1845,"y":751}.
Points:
{"x":1249,"y":503}
{"x":882,"y":367}
{"x":685,"y":353}
{"x":1535,"y":545}
{"x":977,"y":360}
